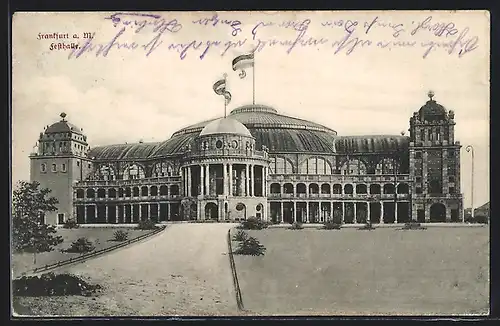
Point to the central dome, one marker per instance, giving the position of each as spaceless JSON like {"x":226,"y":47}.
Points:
{"x":225,"y":126}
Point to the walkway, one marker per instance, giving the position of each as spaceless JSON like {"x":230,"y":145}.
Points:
{"x":183,"y":271}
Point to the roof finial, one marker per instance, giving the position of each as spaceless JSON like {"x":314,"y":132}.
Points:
{"x":62,"y":115}
{"x":431,"y":95}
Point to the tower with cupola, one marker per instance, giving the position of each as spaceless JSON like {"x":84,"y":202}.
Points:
{"x":435,"y":164}
{"x":59,"y":159}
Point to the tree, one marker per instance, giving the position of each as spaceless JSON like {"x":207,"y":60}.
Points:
{"x":29,"y":202}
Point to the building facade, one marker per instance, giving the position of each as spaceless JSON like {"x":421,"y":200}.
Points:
{"x":257,"y":162}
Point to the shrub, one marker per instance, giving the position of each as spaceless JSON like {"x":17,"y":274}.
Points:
{"x":253,"y":223}
{"x":240,"y":236}
{"x":81,"y":245}
{"x":71,"y":224}
{"x":146,"y":225}
{"x":250,"y":246}
{"x":50,"y":284}
{"x":296,"y":226}
{"x":331,"y":225}
{"x":413,"y":226}
{"x":120,"y":235}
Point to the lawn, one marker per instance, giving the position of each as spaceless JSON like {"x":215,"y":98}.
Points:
{"x":436,"y":271}
{"x":100,"y":237}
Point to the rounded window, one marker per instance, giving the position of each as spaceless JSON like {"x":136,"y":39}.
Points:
{"x":218,"y":144}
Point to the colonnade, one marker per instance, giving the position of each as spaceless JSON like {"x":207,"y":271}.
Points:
{"x":322,"y":211}
{"x":126,"y":213}
{"x":199,"y":179}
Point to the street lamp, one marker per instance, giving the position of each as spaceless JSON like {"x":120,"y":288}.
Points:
{"x":470,"y":149}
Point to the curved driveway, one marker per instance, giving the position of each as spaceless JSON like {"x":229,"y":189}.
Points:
{"x":182,"y":271}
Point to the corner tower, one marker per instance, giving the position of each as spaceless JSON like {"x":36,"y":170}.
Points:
{"x":435,"y":165}
{"x":59,"y":159}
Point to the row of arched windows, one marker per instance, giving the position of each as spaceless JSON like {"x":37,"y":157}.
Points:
{"x":318,"y":165}
{"x":128,"y":192}
{"x":326,"y":188}
{"x":134,"y":171}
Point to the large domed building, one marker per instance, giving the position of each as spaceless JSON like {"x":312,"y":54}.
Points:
{"x":257,"y":162}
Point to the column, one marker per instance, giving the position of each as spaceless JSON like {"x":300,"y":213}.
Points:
{"x":106,"y":211}
{"x":85,"y":213}
{"x":263,"y":181}
{"x":132,"y":211}
{"x":355,"y":212}
{"x":184,"y":183}
{"x":224,"y":176}
{"x":242,"y":183}
{"x":207,"y":179}
{"x":149,"y":210}
{"x":168,"y":212}
{"x":252,"y":181}
{"x":368,"y":212}
{"x":202,"y":180}
{"x":381,"y":212}
{"x":281,"y":212}
{"x":116,"y":213}
{"x":331,"y":211}
{"x":230,"y":192}
{"x":343,"y":212}
{"x":295,"y":211}
{"x":395,"y":212}
{"x":307,"y":212}
{"x":307,"y":190}
{"x":247,"y":180}
{"x":189,"y":181}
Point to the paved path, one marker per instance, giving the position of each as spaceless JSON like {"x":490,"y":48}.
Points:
{"x":183,"y":271}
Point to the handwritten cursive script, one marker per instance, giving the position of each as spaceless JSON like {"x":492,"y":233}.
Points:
{"x":338,"y":36}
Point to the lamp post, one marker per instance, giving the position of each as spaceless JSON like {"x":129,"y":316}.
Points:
{"x":470,"y":149}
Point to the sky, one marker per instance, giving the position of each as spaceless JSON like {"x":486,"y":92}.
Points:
{"x":125,"y":95}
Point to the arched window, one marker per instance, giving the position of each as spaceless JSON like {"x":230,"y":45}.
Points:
{"x":301,"y":188}
{"x":163,"y":169}
{"x":403,"y":188}
{"x":348,"y":189}
{"x":361,"y":188}
{"x":313,"y":188}
{"x":90,"y":193}
{"x":374,"y":188}
{"x":288,"y":188}
{"x":174,"y":190}
{"x":275,"y":188}
{"x":163,"y":190}
{"x":80,"y":193}
{"x":280,"y":165}
{"x":133,"y":171}
{"x":325,"y":188}
{"x":101,"y":193}
{"x":337,"y":189}
{"x":315,"y":165}
{"x":144,"y":191}
{"x":389,"y":188}
{"x":112,"y":193}
{"x":353,"y":166}
{"x":106,"y":172}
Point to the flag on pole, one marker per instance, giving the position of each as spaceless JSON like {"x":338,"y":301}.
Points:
{"x":220,"y":89}
{"x":242,"y":62}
